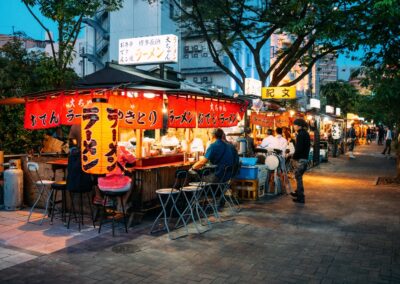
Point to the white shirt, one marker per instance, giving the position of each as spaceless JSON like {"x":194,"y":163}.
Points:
{"x":169,"y":141}
{"x":279,"y":143}
{"x":268,"y":142}
{"x":388,"y":135}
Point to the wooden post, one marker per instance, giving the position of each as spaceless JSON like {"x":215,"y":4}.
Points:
{"x":1,"y":161}
{"x":139,"y":140}
{"x":157,"y":135}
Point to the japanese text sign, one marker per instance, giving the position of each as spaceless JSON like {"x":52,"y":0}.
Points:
{"x":278,"y":93}
{"x":144,"y":50}
{"x":43,"y":114}
{"x":181,"y":112}
{"x":262,"y":120}
{"x":252,"y":87}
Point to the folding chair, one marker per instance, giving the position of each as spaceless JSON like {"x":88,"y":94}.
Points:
{"x":169,"y":197}
{"x":44,"y":188}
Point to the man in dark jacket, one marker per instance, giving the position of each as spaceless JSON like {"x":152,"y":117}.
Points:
{"x":300,"y":158}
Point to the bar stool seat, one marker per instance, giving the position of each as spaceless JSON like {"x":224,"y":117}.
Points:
{"x":167,"y":191}
{"x":56,"y":187}
{"x":114,"y":192}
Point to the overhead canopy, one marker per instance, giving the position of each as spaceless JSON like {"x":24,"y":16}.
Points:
{"x":114,"y":75}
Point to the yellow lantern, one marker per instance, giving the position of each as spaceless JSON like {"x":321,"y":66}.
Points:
{"x":99,"y":137}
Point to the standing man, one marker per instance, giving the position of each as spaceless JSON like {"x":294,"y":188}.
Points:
{"x":269,"y":140}
{"x":388,"y":141}
{"x":300,"y":158}
{"x":352,"y":137}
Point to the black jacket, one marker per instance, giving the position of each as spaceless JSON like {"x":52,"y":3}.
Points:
{"x":302,"y":147}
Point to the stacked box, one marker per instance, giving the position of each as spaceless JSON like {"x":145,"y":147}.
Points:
{"x":248,"y":189}
{"x":252,"y":172}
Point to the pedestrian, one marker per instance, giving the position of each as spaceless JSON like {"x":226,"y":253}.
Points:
{"x":369,"y":135}
{"x":249,"y":142}
{"x":381,"y":134}
{"x":388,"y":141}
{"x":300,"y":158}
{"x":351,"y":140}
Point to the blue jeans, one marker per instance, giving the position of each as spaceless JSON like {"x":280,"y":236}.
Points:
{"x":300,"y":166}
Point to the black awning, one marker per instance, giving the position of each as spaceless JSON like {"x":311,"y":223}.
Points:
{"x":114,"y":75}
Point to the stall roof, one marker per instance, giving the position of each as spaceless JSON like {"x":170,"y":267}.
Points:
{"x":114,"y":75}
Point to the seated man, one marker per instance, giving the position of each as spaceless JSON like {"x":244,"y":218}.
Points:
{"x":269,"y":140}
{"x":220,"y":154}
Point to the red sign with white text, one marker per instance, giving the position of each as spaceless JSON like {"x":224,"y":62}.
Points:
{"x":181,"y":112}
{"x":42,"y":114}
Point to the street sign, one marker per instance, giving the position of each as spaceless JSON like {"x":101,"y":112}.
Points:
{"x":148,"y":50}
{"x":288,"y":93}
{"x":252,"y":87}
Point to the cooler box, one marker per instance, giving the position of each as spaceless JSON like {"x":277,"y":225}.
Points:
{"x":252,"y":172}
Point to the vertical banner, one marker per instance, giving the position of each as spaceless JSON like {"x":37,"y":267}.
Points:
{"x":138,"y":112}
{"x":42,"y":114}
{"x":72,"y":106}
{"x":181,"y":112}
{"x":207,"y":113}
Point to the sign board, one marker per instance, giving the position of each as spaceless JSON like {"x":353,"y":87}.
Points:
{"x":338,"y":111}
{"x":252,"y":87}
{"x":279,"y":93}
{"x":148,"y":50}
{"x":315,"y":103}
{"x":329,"y":109}
{"x":336,"y":132}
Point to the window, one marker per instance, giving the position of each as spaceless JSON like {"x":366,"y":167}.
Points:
{"x":186,"y":48}
{"x":195,"y":48}
{"x":205,"y":54}
{"x":195,"y":55}
{"x":195,"y":79}
{"x":186,"y":56}
{"x":205,"y":79}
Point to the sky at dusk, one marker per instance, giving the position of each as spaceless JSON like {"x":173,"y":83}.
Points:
{"x":14,"y":15}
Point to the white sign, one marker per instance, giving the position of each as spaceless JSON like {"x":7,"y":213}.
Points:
{"x":336,"y":132}
{"x":151,"y":49}
{"x":329,"y":109}
{"x":315,"y":103}
{"x":252,"y":87}
{"x":338,"y":111}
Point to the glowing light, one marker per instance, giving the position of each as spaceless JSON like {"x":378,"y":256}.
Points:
{"x":292,"y":112}
{"x":309,"y":117}
{"x":149,"y":95}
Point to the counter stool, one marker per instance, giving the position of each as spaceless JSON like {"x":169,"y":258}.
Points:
{"x":169,"y":197}
{"x":43,"y":187}
{"x":114,"y":193}
{"x":56,"y":187}
{"x":89,"y":199}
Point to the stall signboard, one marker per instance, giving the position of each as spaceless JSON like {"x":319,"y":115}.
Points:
{"x":213,"y":114}
{"x":282,"y":121}
{"x":338,"y":111}
{"x":207,"y":114}
{"x":72,"y":106}
{"x":315,"y":103}
{"x":229,"y":114}
{"x":252,"y":87}
{"x":181,"y":112}
{"x":329,"y":109}
{"x":139,"y":112}
{"x":42,"y":114}
{"x":148,"y":50}
{"x":278,"y":93}
{"x":262,"y":120}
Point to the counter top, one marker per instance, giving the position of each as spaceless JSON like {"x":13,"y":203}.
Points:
{"x":176,"y":164}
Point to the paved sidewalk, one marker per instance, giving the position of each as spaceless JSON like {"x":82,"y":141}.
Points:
{"x":347,"y":232}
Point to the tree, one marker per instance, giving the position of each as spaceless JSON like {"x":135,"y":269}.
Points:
{"x":20,"y":73}
{"x":68,"y":14}
{"x":340,"y":94}
{"x":316,"y":28}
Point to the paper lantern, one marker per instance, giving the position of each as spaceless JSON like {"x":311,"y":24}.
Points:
{"x":99,"y":137}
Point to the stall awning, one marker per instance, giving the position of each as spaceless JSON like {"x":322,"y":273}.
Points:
{"x":114,"y":75}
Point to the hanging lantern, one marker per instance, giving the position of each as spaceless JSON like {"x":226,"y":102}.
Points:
{"x":99,"y":137}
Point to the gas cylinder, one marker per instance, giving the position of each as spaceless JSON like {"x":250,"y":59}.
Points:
{"x":242,"y":146}
{"x":13,"y":187}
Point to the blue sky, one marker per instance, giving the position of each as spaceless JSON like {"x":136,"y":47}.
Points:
{"x":14,"y":14}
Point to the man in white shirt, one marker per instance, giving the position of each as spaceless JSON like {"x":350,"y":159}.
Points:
{"x":268,"y":141}
{"x":280,"y":142}
{"x":388,"y":140}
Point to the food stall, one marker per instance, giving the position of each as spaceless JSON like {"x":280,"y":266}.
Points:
{"x":165,"y":127}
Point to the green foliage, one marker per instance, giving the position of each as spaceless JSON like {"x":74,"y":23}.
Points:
{"x":315,"y":28}
{"x":21,"y":73}
{"x":340,"y":94}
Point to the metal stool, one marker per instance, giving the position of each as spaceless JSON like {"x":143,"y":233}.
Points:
{"x":56,"y":187}
{"x":111,"y":193}
{"x":171,"y":195}
{"x":89,"y":199}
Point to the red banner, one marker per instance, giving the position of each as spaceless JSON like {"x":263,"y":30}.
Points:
{"x":72,"y":106}
{"x":230,"y":114}
{"x":139,"y":112}
{"x":282,"y":121}
{"x":207,"y":114}
{"x":43,"y":114}
{"x":181,"y":112}
{"x":262,"y":120}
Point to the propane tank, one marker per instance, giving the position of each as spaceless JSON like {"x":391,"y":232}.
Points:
{"x":242,"y":146}
{"x":13,"y":187}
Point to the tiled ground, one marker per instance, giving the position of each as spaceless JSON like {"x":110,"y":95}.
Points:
{"x":347,"y":232}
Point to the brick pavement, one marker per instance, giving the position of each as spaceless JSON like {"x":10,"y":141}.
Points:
{"x":347,"y":232}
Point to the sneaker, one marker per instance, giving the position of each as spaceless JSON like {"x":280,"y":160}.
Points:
{"x":298,"y":200}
